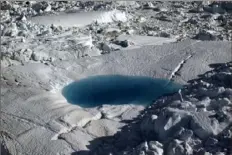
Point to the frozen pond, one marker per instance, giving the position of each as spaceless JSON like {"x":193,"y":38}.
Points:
{"x":117,"y":89}
{"x":80,"y":18}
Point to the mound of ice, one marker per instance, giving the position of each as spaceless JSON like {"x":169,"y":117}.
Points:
{"x":113,"y":16}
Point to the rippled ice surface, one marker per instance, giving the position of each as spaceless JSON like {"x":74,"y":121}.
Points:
{"x":117,"y":89}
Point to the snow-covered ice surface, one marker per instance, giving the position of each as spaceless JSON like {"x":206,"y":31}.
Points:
{"x":138,"y":41}
{"x":39,"y":57}
{"x":32,"y":114}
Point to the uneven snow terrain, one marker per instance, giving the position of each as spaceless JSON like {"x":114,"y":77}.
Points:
{"x":47,"y":45}
{"x":197,"y":120}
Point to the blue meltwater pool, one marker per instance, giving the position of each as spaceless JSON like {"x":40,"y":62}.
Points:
{"x":117,"y":89}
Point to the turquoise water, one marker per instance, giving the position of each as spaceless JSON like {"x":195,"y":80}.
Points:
{"x":117,"y":89}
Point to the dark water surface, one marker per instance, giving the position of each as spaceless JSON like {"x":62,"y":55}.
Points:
{"x":117,"y":89}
